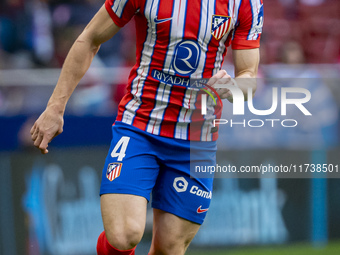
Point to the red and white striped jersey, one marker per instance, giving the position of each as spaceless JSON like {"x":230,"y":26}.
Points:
{"x":178,"y":41}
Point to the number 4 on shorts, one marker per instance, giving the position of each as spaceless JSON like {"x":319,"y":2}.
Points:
{"x":122,"y":145}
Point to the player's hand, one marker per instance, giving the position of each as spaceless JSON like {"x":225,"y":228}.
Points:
{"x":48,"y":125}
{"x":220,"y":79}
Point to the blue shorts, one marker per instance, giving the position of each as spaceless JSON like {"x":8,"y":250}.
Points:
{"x":139,"y":163}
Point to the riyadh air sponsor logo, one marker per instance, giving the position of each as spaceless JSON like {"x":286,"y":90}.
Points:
{"x":170,"y":79}
{"x":180,"y":184}
{"x":158,"y":21}
{"x":186,"y":57}
{"x":199,"y":210}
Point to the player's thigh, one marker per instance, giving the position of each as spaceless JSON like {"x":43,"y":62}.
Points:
{"x":171,"y":234}
{"x":124,"y":218}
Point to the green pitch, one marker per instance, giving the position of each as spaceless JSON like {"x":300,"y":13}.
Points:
{"x":299,"y":249}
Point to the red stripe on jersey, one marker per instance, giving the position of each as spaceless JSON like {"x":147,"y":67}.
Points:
{"x":192,"y":25}
{"x":197,"y":119}
{"x":121,"y":107}
{"x":141,"y":24}
{"x":172,"y":111}
{"x":148,"y":102}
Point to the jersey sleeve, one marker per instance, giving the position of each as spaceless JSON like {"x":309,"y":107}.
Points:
{"x":248,"y":29}
{"x":121,"y":11}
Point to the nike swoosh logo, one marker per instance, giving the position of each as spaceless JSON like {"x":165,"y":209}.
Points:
{"x":157,"y":21}
{"x":199,"y":210}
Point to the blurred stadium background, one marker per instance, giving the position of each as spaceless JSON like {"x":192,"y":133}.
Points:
{"x":49,"y":205}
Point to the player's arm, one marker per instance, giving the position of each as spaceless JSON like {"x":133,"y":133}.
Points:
{"x":245,"y":43}
{"x":50,"y":123}
{"x":246,"y":64}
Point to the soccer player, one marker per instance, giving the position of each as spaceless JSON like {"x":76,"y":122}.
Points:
{"x":177,"y":40}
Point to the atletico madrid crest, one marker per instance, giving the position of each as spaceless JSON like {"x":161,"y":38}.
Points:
{"x":220,"y":26}
{"x":113,"y":171}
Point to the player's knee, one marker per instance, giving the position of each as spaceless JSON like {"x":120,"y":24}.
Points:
{"x":125,"y":238}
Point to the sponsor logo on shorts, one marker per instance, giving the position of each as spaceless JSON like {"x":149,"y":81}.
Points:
{"x":113,"y":171}
{"x":181,"y":185}
{"x":199,"y":210}
{"x":200,"y":193}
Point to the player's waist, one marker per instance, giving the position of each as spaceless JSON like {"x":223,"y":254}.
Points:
{"x":193,"y":131}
